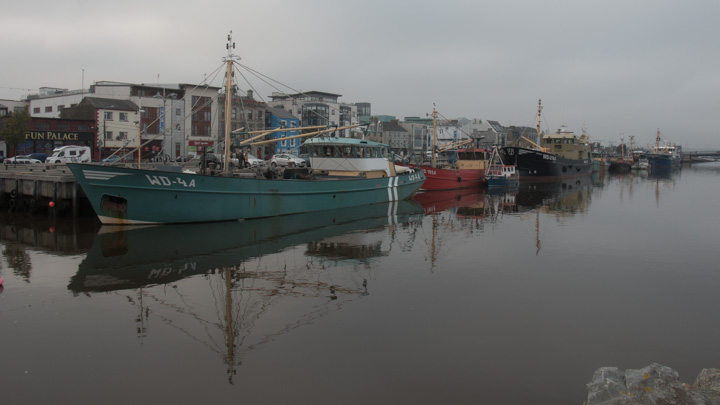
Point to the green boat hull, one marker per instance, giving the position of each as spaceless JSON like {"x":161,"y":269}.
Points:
{"x":137,"y":196}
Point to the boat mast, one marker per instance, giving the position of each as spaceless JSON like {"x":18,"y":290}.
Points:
{"x":228,"y":98}
{"x":539,"y":115}
{"x":434,"y":148}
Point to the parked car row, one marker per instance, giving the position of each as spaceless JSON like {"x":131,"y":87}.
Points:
{"x":21,"y":160}
{"x":81,"y":154}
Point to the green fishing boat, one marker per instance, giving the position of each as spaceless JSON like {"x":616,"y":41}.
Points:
{"x":344,"y":172}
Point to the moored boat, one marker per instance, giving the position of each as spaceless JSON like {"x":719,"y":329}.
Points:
{"x":133,"y":196}
{"x":466,"y":172}
{"x":666,"y":156}
{"x":641,"y":164}
{"x":500,"y":174}
{"x":622,"y":163}
{"x":559,"y":155}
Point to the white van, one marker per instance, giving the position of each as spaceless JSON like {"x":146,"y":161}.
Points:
{"x":70,"y":154}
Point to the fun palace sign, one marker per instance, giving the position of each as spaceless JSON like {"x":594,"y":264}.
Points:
{"x":59,"y":136}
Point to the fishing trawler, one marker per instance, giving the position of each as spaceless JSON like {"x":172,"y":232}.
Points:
{"x":559,"y":155}
{"x":664,"y":156}
{"x":134,"y":196}
{"x":466,"y":172}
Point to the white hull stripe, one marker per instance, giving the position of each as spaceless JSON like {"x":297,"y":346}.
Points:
{"x":392,"y":189}
{"x":98,"y":175}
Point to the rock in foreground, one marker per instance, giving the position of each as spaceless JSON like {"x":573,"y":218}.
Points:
{"x":654,"y":384}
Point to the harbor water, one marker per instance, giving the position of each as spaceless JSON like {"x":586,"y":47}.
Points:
{"x":457,"y":297}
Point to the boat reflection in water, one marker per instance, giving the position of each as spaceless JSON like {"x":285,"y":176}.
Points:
{"x":241,"y":283}
{"x":566,"y":197}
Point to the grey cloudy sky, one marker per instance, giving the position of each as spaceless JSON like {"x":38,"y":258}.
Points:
{"x":615,"y":67}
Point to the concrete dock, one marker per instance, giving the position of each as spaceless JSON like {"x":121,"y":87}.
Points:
{"x":32,"y":187}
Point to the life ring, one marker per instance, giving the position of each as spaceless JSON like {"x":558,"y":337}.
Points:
{"x":13,"y":194}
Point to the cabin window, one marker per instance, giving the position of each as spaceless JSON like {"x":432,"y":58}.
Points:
{"x":347,"y":151}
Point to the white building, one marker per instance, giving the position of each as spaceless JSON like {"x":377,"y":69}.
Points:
{"x":317,"y":108}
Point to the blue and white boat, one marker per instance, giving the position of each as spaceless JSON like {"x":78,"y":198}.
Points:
{"x":499,"y":174}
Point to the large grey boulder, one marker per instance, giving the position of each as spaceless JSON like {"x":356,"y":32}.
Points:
{"x":654,"y":384}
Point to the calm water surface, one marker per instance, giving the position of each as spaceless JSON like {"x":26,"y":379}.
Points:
{"x":459,"y":297}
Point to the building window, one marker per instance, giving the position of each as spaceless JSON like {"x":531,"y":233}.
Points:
{"x":108,"y":134}
{"x":123,"y":136}
{"x":123,"y":116}
{"x":60,"y":107}
{"x":178,"y":112}
{"x":206,"y":116}
{"x":207,"y":130}
{"x":249,"y":116}
{"x":42,"y":125}
{"x":194,"y":130}
{"x":83,"y":127}
{"x":48,"y":109}
{"x":108,"y":116}
{"x":63,"y":126}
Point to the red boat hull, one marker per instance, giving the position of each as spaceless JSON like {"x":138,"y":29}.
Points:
{"x":447,"y":179}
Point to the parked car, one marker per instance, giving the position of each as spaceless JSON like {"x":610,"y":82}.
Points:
{"x":21,"y":160}
{"x":185,"y":158}
{"x":111,"y":159}
{"x":287,"y":159}
{"x":306,"y":158}
{"x":39,"y":156}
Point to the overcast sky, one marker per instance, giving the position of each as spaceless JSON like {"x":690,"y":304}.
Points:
{"x":615,"y":67}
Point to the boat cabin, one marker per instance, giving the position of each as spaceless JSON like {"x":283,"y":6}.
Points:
{"x":472,"y":159}
{"x":349,"y":157}
{"x":566,"y":144}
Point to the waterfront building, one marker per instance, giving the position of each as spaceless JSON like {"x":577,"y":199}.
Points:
{"x":418,"y":137}
{"x":179,"y":119}
{"x":279,"y":118}
{"x":113,"y":125}
{"x":46,"y":134}
{"x":364,"y":112}
{"x":318,"y":108}
{"x":397,"y":137}
{"x":246,"y":115}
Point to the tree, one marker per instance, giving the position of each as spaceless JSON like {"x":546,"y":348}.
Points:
{"x":16,"y":127}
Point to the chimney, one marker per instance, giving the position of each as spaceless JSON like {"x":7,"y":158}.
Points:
{"x":250,"y":94}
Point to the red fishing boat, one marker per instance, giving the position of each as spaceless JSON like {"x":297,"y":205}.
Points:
{"x":466,"y":172}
